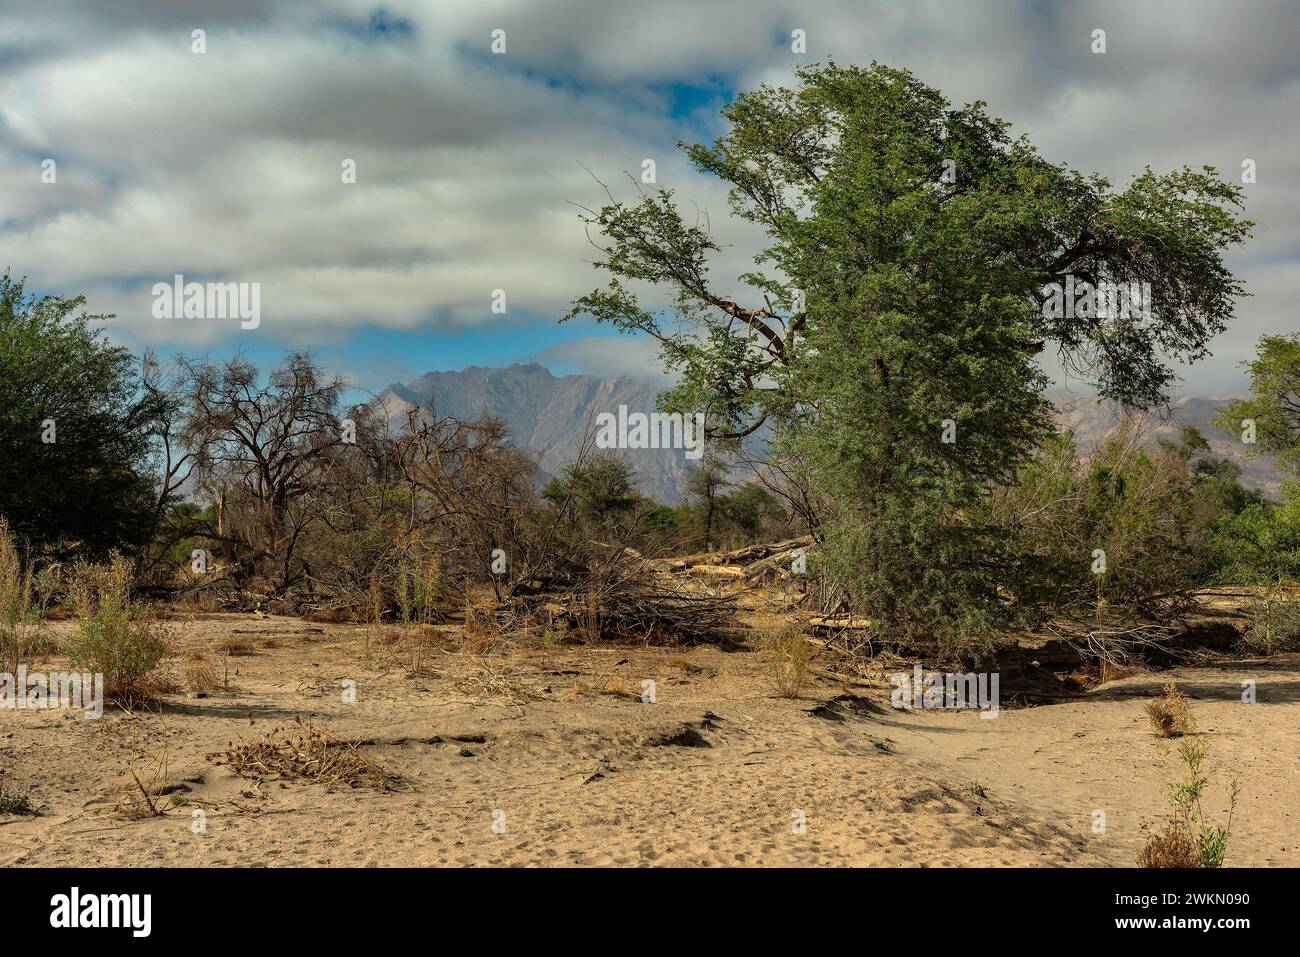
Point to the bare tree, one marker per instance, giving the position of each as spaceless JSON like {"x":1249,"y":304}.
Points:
{"x":268,"y":446}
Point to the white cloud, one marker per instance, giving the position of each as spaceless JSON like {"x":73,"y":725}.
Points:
{"x":226,"y":165}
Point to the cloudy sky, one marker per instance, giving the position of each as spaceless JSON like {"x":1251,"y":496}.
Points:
{"x":226,"y":165}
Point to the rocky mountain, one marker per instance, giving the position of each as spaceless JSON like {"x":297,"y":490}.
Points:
{"x":550,"y":415}
{"x":546,"y":413}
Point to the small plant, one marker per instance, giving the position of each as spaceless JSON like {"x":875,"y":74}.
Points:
{"x":1276,"y":624}
{"x":22,"y":607}
{"x":115,"y":636}
{"x":788,"y":657}
{"x":419,"y":641}
{"x":1170,"y":714}
{"x":11,"y":802}
{"x":1189,"y":840}
{"x":1172,"y":847}
{"x":202,"y":677}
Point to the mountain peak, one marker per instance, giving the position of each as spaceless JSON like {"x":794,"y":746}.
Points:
{"x":546,"y":413}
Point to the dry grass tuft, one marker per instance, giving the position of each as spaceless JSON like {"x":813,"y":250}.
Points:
{"x":12,"y":802}
{"x":1170,"y":714}
{"x":1172,"y":847}
{"x":615,"y":686}
{"x":311,"y":754}
{"x":490,"y":680}
{"x":787,"y":657}
{"x":202,"y":677}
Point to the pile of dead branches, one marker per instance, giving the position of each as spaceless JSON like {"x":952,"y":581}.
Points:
{"x":610,"y":592}
{"x":752,"y":563}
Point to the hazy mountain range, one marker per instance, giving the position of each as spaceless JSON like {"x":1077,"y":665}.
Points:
{"x":546,"y":413}
{"x":550,"y":414}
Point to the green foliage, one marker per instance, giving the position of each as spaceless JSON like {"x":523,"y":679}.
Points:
{"x":1185,"y":796}
{"x":599,"y":489}
{"x":1274,"y":401}
{"x":89,"y":489}
{"x":895,"y":305}
{"x":115,"y":635}
{"x":1276,"y":623}
{"x":751,"y":513}
{"x":1189,"y":839}
{"x":1260,"y":545}
{"x":1156,"y":513}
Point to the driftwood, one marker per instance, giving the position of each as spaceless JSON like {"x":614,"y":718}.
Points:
{"x":741,"y":556}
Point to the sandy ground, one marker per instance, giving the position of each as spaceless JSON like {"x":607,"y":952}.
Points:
{"x":550,"y":757}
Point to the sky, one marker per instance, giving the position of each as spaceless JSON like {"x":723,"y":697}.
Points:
{"x":226,"y":165}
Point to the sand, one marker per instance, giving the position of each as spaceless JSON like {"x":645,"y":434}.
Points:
{"x":550,"y":757}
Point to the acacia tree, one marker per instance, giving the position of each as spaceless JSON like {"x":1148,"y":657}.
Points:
{"x":897,"y":310}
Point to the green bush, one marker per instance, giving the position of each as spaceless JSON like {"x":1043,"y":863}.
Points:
{"x":1276,"y":624}
{"x":1258,"y":546}
{"x":115,"y":636}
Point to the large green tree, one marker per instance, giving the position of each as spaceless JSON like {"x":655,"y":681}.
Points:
{"x":75,"y":429}
{"x":890,"y":329}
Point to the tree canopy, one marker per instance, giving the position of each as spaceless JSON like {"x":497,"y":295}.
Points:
{"x":74,"y":429}
{"x":912,"y":274}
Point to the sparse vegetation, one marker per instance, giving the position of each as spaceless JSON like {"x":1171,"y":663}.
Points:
{"x":1189,"y":840}
{"x":309,"y":753}
{"x":148,"y":773}
{"x":1170,"y":714}
{"x":909,"y":499}
{"x":788,"y":658}
{"x":115,"y":636}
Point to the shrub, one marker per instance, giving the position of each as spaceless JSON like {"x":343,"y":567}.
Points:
{"x":1137,"y":506}
{"x":1188,"y":840}
{"x":201,"y":677}
{"x":1172,"y":847}
{"x":22,"y":607}
{"x":1170,"y":715}
{"x":787,"y":653}
{"x":15,"y":803}
{"x":1275,"y":626}
{"x":115,"y":636}
{"x":1260,"y":545}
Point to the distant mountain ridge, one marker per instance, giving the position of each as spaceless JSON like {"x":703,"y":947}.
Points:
{"x":1093,"y":421}
{"x":550,"y":414}
{"x":546,"y":413}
